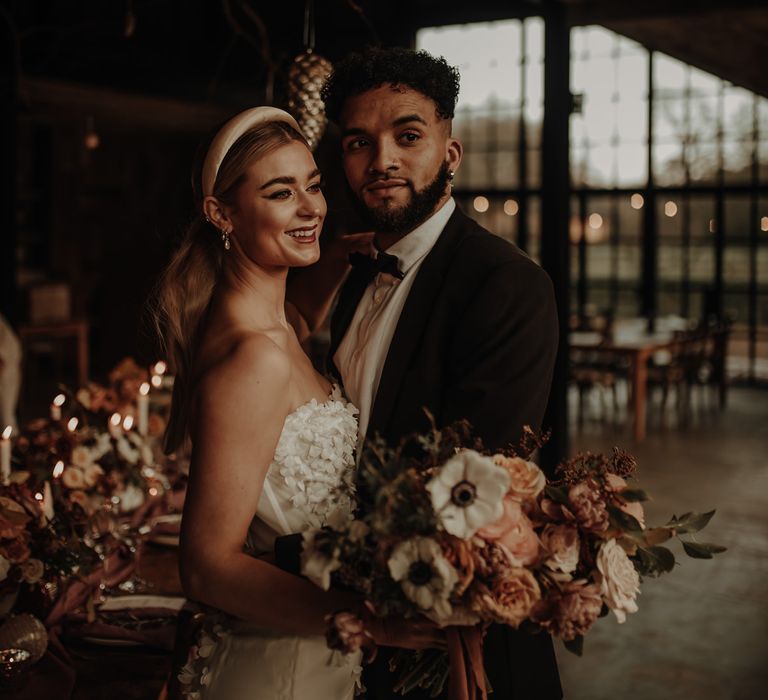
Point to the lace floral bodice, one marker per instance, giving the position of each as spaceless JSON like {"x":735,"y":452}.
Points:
{"x":311,"y":478}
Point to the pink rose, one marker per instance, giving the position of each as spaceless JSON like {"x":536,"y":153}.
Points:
{"x":527,"y":480}
{"x":562,"y":544}
{"x":634,"y":508}
{"x":514,"y":531}
{"x":588,"y":506}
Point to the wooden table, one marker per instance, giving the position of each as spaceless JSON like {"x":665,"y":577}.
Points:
{"x":637,"y":349}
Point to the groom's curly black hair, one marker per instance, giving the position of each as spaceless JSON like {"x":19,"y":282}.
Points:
{"x":359,"y":72}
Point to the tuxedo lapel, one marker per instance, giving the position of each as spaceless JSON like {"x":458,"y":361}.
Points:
{"x":349,"y":297}
{"x":413,"y":319}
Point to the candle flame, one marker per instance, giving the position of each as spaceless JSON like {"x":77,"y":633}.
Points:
{"x":59,"y":400}
{"x":157,"y":381}
{"x":115,"y":419}
{"x":38,"y":496}
{"x":128,"y":422}
{"x":72,"y":424}
{"x":7,"y":432}
{"x":160,"y":367}
{"x":144,"y":389}
{"x":58,"y":470}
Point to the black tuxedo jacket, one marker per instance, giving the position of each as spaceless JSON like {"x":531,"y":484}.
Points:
{"x":476,"y":339}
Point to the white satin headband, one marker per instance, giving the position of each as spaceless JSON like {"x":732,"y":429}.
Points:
{"x":233,"y":130}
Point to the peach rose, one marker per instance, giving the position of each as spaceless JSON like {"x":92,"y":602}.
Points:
{"x":514,"y":531}
{"x":588,"y":506}
{"x":570,"y":611}
{"x":510,"y":600}
{"x":634,"y":508}
{"x":73,"y":478}
{"x":527,"y":480}
{"x":562,"y":544}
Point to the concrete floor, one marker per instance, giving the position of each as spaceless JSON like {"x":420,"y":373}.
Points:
{"x":702,"y":630}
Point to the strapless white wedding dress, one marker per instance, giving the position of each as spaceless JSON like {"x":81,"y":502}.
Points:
{"x":309,"y":481}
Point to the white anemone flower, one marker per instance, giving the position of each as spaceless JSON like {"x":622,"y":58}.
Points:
{"x":425,"y":575}
{"x":319,"y":559}
{"x":468,"y":493}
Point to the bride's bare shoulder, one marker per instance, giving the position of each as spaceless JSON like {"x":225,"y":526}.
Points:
{"x":252,"y":362}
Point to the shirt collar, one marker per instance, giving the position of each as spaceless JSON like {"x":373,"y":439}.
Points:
{"x":415,"y":245}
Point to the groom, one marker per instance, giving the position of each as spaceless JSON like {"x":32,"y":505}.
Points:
{"x":448,"y":316}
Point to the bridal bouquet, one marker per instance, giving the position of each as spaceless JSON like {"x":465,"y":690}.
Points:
{"x":468,"y":538}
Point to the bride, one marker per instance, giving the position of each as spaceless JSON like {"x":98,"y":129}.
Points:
{"x":272,"y":440}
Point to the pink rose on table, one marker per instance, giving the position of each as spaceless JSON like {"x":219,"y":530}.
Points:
{"x":527,"y":480}
{"x":514,"y":531}
{"x":561,"y":542}
{"x":633,"y":508}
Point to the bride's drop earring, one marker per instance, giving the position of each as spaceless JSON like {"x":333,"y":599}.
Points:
{"x":225,"y":239}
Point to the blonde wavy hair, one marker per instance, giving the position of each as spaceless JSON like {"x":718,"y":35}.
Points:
{"x":184,"y":291}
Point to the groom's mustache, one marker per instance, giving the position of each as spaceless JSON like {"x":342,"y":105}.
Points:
{"x":382,"y":182}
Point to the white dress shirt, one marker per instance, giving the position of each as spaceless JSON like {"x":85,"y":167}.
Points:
{"x":362,"y":352}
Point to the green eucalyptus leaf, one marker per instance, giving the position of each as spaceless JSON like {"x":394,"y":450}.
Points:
{"x":702,"y":550}
{"x":624,"y":521}
{"x":695,"y":522}
{"x":654,"y":561}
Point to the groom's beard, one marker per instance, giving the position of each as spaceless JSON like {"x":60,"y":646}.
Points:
{"x":403,"y":219}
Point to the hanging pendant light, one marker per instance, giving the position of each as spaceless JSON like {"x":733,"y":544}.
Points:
{"x":305,"y":80}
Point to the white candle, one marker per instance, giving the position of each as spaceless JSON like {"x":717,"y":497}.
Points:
{"x":5,"y":455}
{"x":48,"y":501}
{"x":143,"y":407}
{"x":58,"y":402}
{"x":114,"y":425}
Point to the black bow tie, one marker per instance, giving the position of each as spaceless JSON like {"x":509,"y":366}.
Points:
{"x":384,"y":262}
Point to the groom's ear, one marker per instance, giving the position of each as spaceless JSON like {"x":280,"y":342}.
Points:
{"x":454,"y":152}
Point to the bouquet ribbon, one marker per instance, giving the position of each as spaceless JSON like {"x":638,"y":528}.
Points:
{"x":466,"y":674}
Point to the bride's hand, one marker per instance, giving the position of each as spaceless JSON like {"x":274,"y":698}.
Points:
{"x":415,"y":633}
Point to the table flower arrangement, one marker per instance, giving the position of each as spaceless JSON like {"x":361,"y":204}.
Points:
{"x":37,"y":551}
{"x":467,"y":538}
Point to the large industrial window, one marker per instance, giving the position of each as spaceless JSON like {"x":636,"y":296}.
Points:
{"x":650,"y":136}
